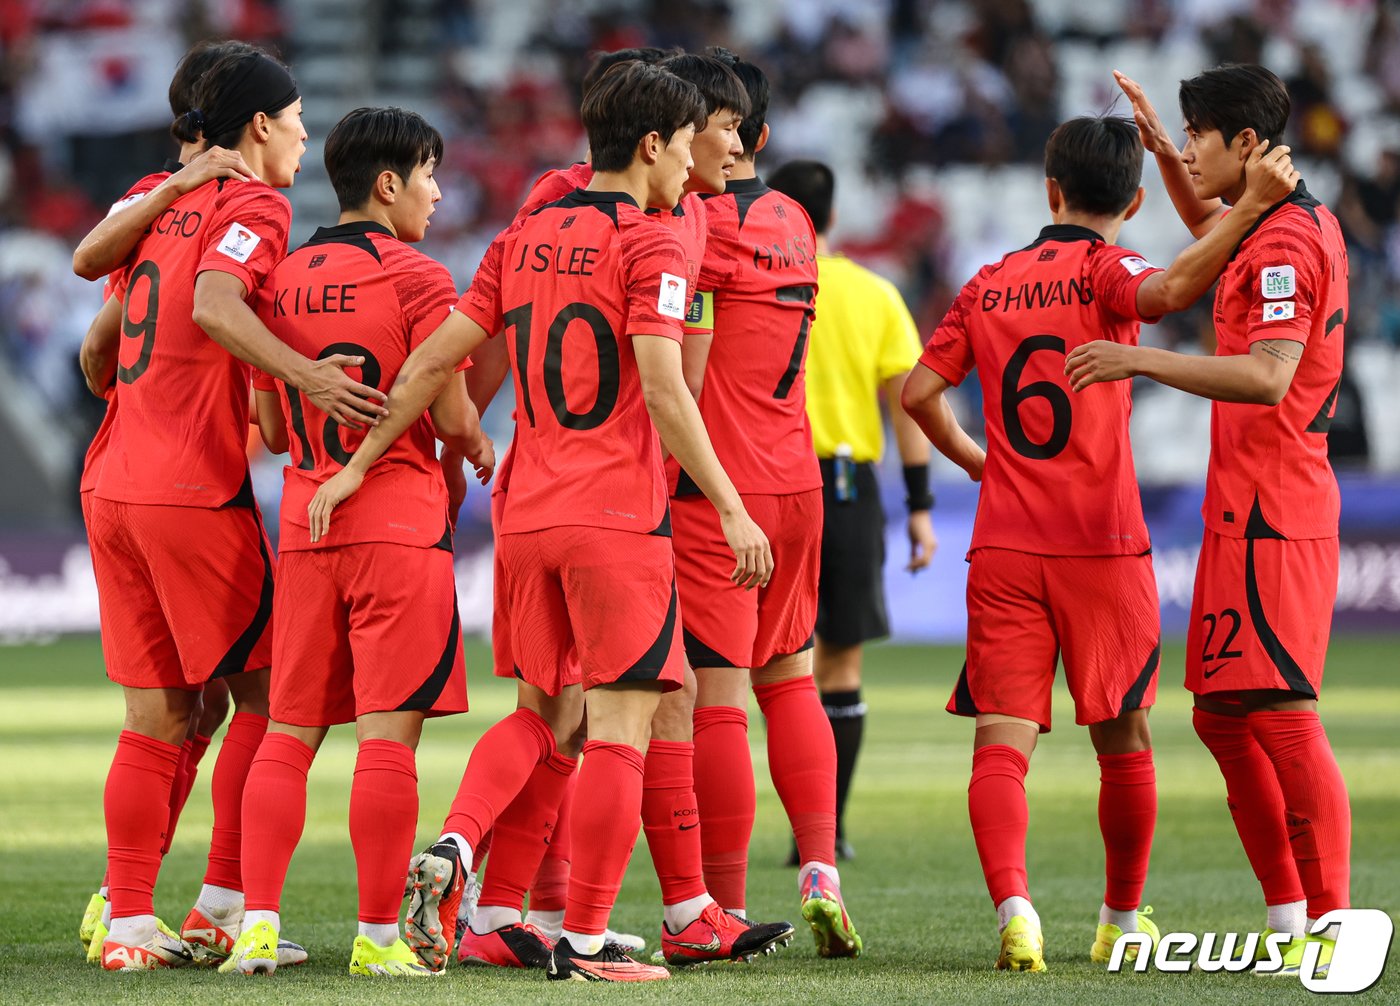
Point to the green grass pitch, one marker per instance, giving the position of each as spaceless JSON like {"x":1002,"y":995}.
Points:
{"x":915,"y":890}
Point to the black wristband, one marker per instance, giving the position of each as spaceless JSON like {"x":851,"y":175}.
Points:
{"x":916,"y":492}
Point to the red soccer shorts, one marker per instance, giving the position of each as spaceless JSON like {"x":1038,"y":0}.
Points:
{"x":1024,"y":611}
{"x":185,"y":593}
{"x":367,"y":628}
{"x":1261,"y":614}
{"x":725,"y":625}
{"x":591,"y":605}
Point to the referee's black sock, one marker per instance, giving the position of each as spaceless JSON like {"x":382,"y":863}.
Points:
{"x":846,"y":712}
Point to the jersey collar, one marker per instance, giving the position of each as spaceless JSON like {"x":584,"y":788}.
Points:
{"x":1065,"y":232}
{"x":596,"y":197}
{"x":171,"y":165}
{"x":356,"y":233}
{"x":1300,"y":197}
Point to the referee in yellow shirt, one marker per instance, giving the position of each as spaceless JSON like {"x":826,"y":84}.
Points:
{"x":862,"y":342}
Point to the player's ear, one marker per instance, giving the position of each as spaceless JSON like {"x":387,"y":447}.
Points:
{"x":1247,"y":139}
{"x":1136,"y":204}
{"x":1054,"y":196}
{"x":650,"y":147}
{"x":386,"y":186}
{"x":258,"y":126}
{"x":761,"y":142}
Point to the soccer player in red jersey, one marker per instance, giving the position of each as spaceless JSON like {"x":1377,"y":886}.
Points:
{"x":174,"y":472}
{"x":586,"y":554}
{"x":758,"y":279}
{"x":1267,"y":576}
{"x":366,"y":618}
{"x":695,"y":929}
{"x":1060,"y":562}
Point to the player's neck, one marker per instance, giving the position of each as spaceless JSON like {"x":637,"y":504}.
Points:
{"x":1105,"y":227}
{"x":631,"y":182}
{"x":367,"y":216}
{"x":744,"y":169}
{"x":823,"y":245}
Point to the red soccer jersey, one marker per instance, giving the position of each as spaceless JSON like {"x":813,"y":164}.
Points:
{"x":761,"y":264}
{"x":1059,"y":478}
{"x":181,"y":422}
{"x":1269,"y":475}
{"x":572,"y":283}
{"x":687,"y":220}
{"x":92,"y":461}
{"x":358,"y":290}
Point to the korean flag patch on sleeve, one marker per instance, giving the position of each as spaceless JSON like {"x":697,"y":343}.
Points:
{"x":1136,"y":265}
{"x":672,"y":301}
{"x":238,"y":242}
{"x":1278,"y":310}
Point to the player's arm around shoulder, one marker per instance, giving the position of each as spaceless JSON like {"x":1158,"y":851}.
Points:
{"x":268,"y":416}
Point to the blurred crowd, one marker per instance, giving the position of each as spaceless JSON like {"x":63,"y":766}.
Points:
{"x":902,"y":96}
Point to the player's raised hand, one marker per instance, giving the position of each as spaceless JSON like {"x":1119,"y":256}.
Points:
{"x":1099,"y":361}
{"x":216,"y":162}
{"x":483,"y":459}
{"x":334,"y":491}
{"x":922,"y":541}
{"x":339,"y":396}
{"x":754,"y":558}
{"x":1154,"y":134}
{"x":1269,"y":175}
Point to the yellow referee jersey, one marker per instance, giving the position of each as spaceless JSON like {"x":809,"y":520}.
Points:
{"x":863,"y":335}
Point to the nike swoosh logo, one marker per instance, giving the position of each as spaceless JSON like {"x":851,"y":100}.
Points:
{"x":687,"y":827}
{"x":710,"y":947}
{"x":1212,"y":672}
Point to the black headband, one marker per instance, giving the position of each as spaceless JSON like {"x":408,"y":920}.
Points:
{"x":263,"y":85}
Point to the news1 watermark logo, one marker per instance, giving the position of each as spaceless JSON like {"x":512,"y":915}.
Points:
{"x":1363,"y":937}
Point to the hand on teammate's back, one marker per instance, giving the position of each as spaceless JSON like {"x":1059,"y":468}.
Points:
{"x":216,"y":162}
{"x":340,"y":396}
{"x":923,"y":543}
{"x":334,"y":491}
{"x":754,"y":557}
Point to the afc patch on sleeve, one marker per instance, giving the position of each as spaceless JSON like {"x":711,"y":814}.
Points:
{"x":672,"y":301}
{"x":238,"y":242}
{"x":1279,"y":310}
{"x":1136,"y":265}
{"x":1277,"y":282}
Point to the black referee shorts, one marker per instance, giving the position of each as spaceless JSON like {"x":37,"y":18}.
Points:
{"x":851,"y":592}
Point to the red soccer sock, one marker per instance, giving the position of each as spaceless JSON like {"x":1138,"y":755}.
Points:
{"x":1256,"y":803}
{"x":996,"y":802}
{"x":497,"y":771}
{"x":607,"y":816}
{"x":1317,"y":811}
{"x":383,"y":818}
{"x":245,"y":732}
{"x":274,"y":815}
{"x":1127,"y":819}
{"x":526,"y":828}
{"x":179,"y":793}
{"x":550,"y":891}
{"x":802,"y":761}
{"x":724,"y":792}
{"x":481,"y":850}
{"x":142,"y":775}
{"x":671,"y":820}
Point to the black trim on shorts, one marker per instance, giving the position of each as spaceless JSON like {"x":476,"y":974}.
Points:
{"x":1283,"y":661}
{"x":445,"y":542}
{"x":235,"y":661}
{"x":663,"y":530}
{"x":427,"y":693}
{"x":685,"y":485}
{"x":244,"y":498}
{"x":651,"y":663}
{"x":810,"y":642}
{"x":962,"y":695}
{"x":1133,"y":700}
{"x":701,"y":654}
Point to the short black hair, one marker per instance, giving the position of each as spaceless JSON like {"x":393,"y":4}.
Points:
{"x":812,"y":185}
{"x":371,"y":140}
{"x":605,"y":61}
{"x":194,"y":65}
{"x":719,"y":85}
{"x":1234,"y":97}
{"x":755,"y":81}
{"x":630,"y":101}
{"x":1097,"y":160}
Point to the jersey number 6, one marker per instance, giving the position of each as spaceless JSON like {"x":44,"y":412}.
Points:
{"x":1012,"y":396}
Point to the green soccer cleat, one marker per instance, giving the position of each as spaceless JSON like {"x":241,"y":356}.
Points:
{"x":94,"y":950}
{"x":396,"y":961}
{"x":92,"y":918}
{"x":1022,"y":946}
{"x":1108,"y":935}
{"x":823,"y":910}
{"x":253,"y":953}
{"x":1293,"y":957}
